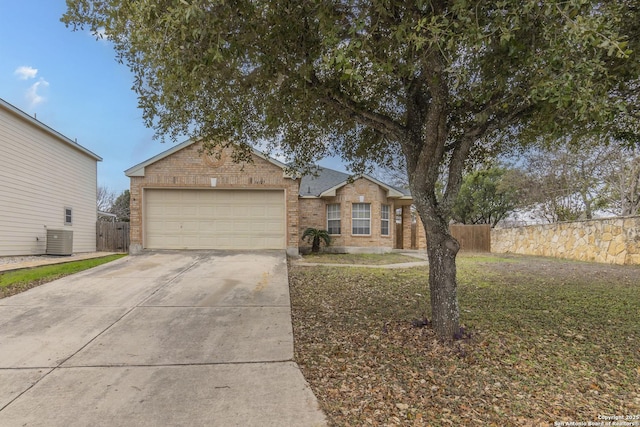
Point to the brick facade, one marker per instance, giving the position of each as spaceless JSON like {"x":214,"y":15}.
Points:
{"x":413,"y":235}
{"x":189,"y":169}
{"x":313,"y":213}
{"x":407,"y":236}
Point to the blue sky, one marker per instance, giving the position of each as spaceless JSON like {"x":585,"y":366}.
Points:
{"x":73,"y":84}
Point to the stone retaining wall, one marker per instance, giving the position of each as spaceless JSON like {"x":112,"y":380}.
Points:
{"x":610,"y":240}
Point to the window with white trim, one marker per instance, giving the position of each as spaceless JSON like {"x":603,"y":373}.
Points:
{"x":333,"y":218}
{"x":68,"y":216}
{"x":361,"y":219}
{"x":384,"y":220}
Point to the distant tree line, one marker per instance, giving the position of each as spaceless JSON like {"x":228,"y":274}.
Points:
{"x":554,"y":182}
{"x":108,"y":202}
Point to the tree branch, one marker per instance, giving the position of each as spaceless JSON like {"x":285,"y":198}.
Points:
{"x":499,"y":121}
{"x":462,"y":147}
{"x":427,"y":113}
{"x":380,"y":122}
{"x":454,"y":175}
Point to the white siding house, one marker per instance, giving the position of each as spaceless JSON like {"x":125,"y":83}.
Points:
{"x":47,"y":181}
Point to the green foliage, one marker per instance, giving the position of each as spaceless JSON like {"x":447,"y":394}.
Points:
{"x":486,"y":197}
{"x":314,"y":236}
{"x":51,"y":272}
{"x":121,"y":207}
{"x":320,"y":78}
{"x":372,"y":80}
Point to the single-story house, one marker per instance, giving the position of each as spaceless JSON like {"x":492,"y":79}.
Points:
{"x":48,"y":186}
{"x":186,"y":199}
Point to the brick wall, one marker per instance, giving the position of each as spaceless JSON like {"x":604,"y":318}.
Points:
{"x":313,"y":213}
{"x":421,"y":238}
{"x":409,"y":240}
{"x":407,"y":235}
{"x":187,"y":168}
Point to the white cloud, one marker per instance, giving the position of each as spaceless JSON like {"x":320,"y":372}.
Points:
{"x":33,"y":96}
{"x":25,"y":72}
{"x":34,"y":92}
{"x":101,"y":33}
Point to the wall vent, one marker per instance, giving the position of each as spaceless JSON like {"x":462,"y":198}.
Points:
{"x":59,"y":242}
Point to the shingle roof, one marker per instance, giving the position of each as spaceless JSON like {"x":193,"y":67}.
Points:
{"x":404,"y":191}
{"x":324,"y":179}
{"x":313,"y":185}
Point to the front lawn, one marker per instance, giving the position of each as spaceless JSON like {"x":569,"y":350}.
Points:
{"x":16,"y":281}
{"x":360,"y":259}
{"x":546,"y":341}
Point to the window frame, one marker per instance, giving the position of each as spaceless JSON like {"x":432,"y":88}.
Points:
{"x":355,"y":209}
{"x":68,"y":213}
{"x":385,"y":221}
{"x":334,"y":219}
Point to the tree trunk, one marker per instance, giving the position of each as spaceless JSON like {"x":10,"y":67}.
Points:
{"x":442,"y":249}
{"x":426,"y":154}
{"x":588,"y":212}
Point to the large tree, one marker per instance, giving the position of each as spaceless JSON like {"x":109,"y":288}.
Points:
{"x":368,"y":80}
{"x":623,"y":180}
{"x":566,"y":182}
{"x":104,"y":198}
{"x":120,"y":206}
{"x":487,"y":196}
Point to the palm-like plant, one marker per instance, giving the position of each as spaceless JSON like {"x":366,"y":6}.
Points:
{"x":314,"y":236}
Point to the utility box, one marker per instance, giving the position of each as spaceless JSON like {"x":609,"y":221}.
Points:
{"x":59,"y":242}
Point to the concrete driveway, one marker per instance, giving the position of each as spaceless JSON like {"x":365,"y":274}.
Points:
{"x":158,"y":339}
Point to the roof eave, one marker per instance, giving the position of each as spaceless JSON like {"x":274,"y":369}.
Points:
{"x":392,"y":193}
{"x":35,"y":122}
{"x":139,"y":169}
{"x":135,"y":171}
{"x":287,"y":172}
{"x":332,"y":191}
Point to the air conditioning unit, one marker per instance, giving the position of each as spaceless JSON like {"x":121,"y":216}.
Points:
{"x":59,"y":242}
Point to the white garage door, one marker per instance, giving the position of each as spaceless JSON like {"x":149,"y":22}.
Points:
{"x":214,"y":219}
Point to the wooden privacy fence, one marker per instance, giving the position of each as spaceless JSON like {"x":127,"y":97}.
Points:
{"x":112,"y":236}
{"x":472,"y":238}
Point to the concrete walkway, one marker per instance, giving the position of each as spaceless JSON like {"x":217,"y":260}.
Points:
{"x":157,"y":339}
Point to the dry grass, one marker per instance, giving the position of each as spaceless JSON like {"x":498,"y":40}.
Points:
{"x":359,"y":259}
{"x":549,"y":341}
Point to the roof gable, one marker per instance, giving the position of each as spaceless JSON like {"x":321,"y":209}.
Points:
{"x":325,"y":182}
{"x":51,"y":132}
{"x":313,"y":185}
{"x":139,"y":169}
